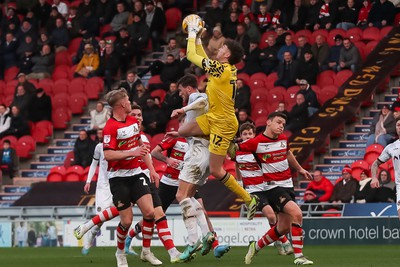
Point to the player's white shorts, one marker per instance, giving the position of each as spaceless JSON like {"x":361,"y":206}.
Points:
{"x":398,"y":196}
{"x":104,"y":199}
{"x":196,"y":162}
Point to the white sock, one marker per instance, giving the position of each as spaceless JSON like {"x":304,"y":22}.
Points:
{"x":189,"y":218}
{"x":145,"y":250}
{"x":173,"y":252}
{"x":200,"y":216}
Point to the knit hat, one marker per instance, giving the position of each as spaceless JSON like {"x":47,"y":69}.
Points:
{"x":346,"y":169}
{"x":217,"y":28}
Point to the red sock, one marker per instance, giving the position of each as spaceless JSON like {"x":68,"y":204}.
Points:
{"x":215,"y":243}
{"x":121,"y":236}
{"x":164,"y":234}
{"x":105,"y":215}
{"x":135,"y":230}
{"x":297,"y":240}
{"x":283,"y":238}
{"x":271,"y":236}
{"x":147,"y":232}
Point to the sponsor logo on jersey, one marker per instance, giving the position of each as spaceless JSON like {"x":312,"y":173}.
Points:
{"x":106,"y":139}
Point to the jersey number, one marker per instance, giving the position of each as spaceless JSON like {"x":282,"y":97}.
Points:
{"x":217,"y":140}
{"x":144,"y":181}
{"x":233,"y":83}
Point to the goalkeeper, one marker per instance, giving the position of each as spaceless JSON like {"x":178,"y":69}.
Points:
{"x":220,"y":122}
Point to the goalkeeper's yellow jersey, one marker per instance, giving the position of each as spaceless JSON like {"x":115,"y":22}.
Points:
{"x":221,"y":87}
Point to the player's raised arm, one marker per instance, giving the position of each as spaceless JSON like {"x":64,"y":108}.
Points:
{"x":295,"y":164}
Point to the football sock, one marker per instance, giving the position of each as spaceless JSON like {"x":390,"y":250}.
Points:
{"x":271,"y":236}
{"x":164,"y":234}
{"x":283,"y":238}
{"x":215,"y":243}
{"x":297,"y":240}
{"x":229,"y":181}
{"x":200,"y":216}
{"x":147,"y":233}
{"x":135,"y":230}
{"x":189,"y":218}
{"x":121,"y":236}
{"x":105,"y":215}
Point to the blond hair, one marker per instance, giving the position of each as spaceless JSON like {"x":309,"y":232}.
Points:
{"x":114,"y":96}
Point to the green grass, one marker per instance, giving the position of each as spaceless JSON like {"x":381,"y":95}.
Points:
{"x":327,"y":256}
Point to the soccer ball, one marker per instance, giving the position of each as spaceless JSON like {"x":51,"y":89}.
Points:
{"x":191,"y":17}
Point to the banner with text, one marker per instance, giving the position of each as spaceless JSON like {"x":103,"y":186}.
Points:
{"x":344,"y":105}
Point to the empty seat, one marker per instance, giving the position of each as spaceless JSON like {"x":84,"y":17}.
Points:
{"x":371,"y":34}
{"x":358,"y":167}
{"x":174,"y":17}
{"x":76,"y":103}
{"x":25,"y":146}
{"x":56,"y":174}
{"x":61,"y":117}
{"x":42,"y":131}
{"x":74,"y":174}
{"x":342,"y":76}
{"x":245,"y":77}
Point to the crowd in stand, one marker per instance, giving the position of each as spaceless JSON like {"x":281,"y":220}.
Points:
{"x":115,"y":34}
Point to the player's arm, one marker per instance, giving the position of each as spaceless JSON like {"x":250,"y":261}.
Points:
{"x":154,"y":177}
{"x":199,"y":103}
{"x":157,"y":154}
{"x":239,"y":178}
{"x":374,"y":173}
{"x":92,"y":171}
{"x":295,"y":165}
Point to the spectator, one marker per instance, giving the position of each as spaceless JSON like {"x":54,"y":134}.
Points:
{"x":252,"y":59}
{"x":214,"y":15}
{"x":140,"y":33}
{"x":171,"y":49}
{"x":5,"y":120}
{"x":153,"y":118}
{"x":298,"y":116}
{"x":246,"y":12}
{"x":141,"y":95}
{"x":29,"y":87}
{"x":137,"y":9}
{"x":25,"y":62}
{"x":169,"y":72}
{"x":345,"y":188}
{"x":229,"y":26}
{"x":280,"y":35}
{"x":268,"y":55}
{"x":109,"y":65}
{"x":88,"y":24}
{"x":365,"y":193}
{"x":327,"y":16}
{"x":8,"y":157}
{"x":43,"y":64}
{"x":243,"y":117}
{"x":321,"y":187}
{"x":312,"y":17}
{"x":276,"y":19}
{"x":349,"y":56}
{"x":32,"y":238}
{"x":363,"y":14}
{"x":320,"y":50}
{"x":383,"y":128}
{"x":396,"y":103}
{"x":124,"y":48}
{"x":60,"y":36}
{"x":302,"y":46}
{"x":21,"y":235}
{"x":185,"y":64}
{"x":42,"y":12}
{"x":101,"y":48}
{"x":72,"y":22}
{"x":155,"y":19}
{"x":61,"y":7}
{"x":44,"y":39}
{"x":52,"y":234}
{"x":8,"y":51}
{"x":10,"y":18}
{"x":310,"y":198}
{"x":130,"y":83}
{"x":40,"y":107}
{"x":120,"y":19}
{"x":289,"y":46}
{"x":242,"y":100}
{"x":81,"y":49}
{"x":99,"y":116}
{"x":282,"y":108}
{"x":22,"y":100}
{"x":83,"y":149}
{"x":105,"y":11}
{"x":252,"y":29}
{"x":287,"y":71}
{"x":263,"y":19}
{"x":334,"y":53}
{"x":348,"y":16}
{"x":172,"y":101}
{"x":386,"y":192}
{"x":51,"y":21}
{"x":26,"y":45}
{"x":381,"y":14}
{"x":310,"y":97}
{"x":232,"y":8}
{"x":18,"y":126}
{"x":89,"y":63}
{"x":242,"y":38}
{"x":308,"y":68}
{"x":216,"y":42}
{"x":26,"y":29}
{"x":296,"y":16}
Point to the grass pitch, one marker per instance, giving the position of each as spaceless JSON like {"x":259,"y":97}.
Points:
{"x":327,"y":256}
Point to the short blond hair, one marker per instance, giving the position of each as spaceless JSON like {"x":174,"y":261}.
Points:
{"x":114,"y":96}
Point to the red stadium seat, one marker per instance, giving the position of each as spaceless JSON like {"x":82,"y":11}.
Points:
{"x":325,"y":78}
{"x":155,"y":80}
{"x":361,"y":48}
{"x":245,"y":77}
{"x":358,"y":167}
{"x":322,"y":32}
{"x":61,"y":117}
{"x":259,"y":95}
{"x":74,"y":45}
{"x":56,"y":174}
{"x":60,"y":72}
{"x":156,"y":139}
{"x":42,"y":131}
{"x":160,"y":93}
{"x":305,"y":33}
{"x":76,"y":103}
{"x":159,"y":167}
{"x":63,"y":58}
{"x":172,"y":125}
{"x":259,"y":76}
{"x":342,"y":76}
{"x":377,"y":148}
{"x":327,"y":93}
{"x":354,"y":31}
{"x":369,"y":47}
{"x":96,"y":80}
{"x":25,"y":146}
{"x":277,"y":94}
{"x":333,"y":33}
{"x":290,"y":97}
{"x":69,"y":159}
{"x":271,"y":79}
{"x":92,"y":90}
{"x":239,"y":66}
{"x":60,"y":100}
{"x":60,"y":89}
{"x":371,"y":34}
{"x":260,"y":121}
{"x":74,"y":174}
{"x":10,"y":73}
{"x":106,"y":29}
{"x":385,"y":31}
{"x":47,"y":85}
{"x":174,"y":18}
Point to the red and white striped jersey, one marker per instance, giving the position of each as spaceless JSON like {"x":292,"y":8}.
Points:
{"x":122,"y":136}
{"x":176,"y":149}
{"x":252,"y":176}
{"x":271,"y":154}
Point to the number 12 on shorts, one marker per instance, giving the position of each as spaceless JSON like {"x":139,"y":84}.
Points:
{"x":216,"y":140}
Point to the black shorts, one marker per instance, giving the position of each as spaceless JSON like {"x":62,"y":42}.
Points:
{"x":127,"y":190}
{"x":263,"y":197}
{"x":167,"y":194}
{"x":154,"y":193}
{"x":279,"y":196}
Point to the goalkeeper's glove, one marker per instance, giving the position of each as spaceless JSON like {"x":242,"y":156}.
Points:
{"x":194,"y":27}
